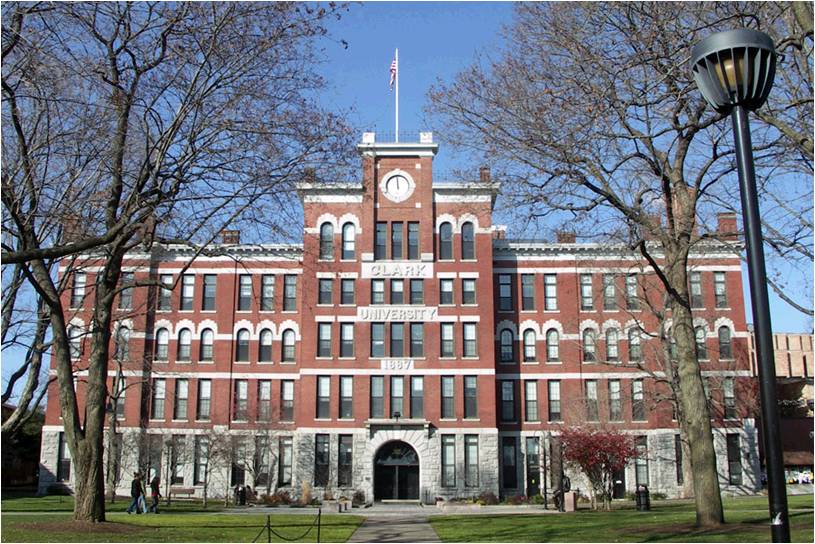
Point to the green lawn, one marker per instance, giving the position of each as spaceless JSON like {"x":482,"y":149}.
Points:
{"x":58,"y":527}
{"x":668,"y":521}
{"x":59,"y":503}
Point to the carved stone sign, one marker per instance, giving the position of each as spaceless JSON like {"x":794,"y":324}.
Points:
{"x":397,"y":313}
{"x":396,"y":364}
{"x":397,"y":270}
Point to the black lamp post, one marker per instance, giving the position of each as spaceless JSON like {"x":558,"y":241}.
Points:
{"x":734,"y":71}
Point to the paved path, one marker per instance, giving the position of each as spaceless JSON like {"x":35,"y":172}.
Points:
{"x":395,"y":529}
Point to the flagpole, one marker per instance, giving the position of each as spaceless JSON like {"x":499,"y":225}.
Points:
{"x":397,"y":95}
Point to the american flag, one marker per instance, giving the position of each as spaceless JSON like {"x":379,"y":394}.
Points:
{"x":393,"y":73}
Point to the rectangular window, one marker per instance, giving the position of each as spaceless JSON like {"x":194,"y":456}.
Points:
{"x":180,"y":403}
{"x":468,"y":291}
{"x":63,"y":460}
{"x":641,"y":461}
{"x":323,"y":397}
{"x":397,"y":291}
{"x":346,"y":397}
{"x":505,"y":292}
{"x":470,"y":397}
{"x":345,"y":458}
{"x":696,"y":300}
{"x":720,"y":289}
{"x":507,"y":400}
{"x":609,"y":292}
{"x":121,"y":388}
{"x":324,"y":340}
{"x":554,"y":400}
{"x":287,"y":400}
{"x":177,"y":460}
{"x":347,"y":291}
{"x":245,"y":293}
{"x":346,"y":339}
{"x":592,"y":412}
{"x":267,"y":293}
{"x":325,"y":291}
{"x":380,"y":241}
{"x":187,"y":291}
{"x":448,"y":460}
{"x":241,"y":400}
{"x":413,"y":241}
{"x":239,"y":461}
{"x":615,"y":403}
{"x":397,"y":396}
{"x":632,"y":299}
{"x":729,"y":388}
{"x":377,"y":339}
{"x":78,"y":290}
{"x":471,"y":460}
{"x":550,"y":292}
{"x":262,"y":460}
{"x":157,"y":402}
{"x":201,"y":460}
{"x":397,"y":339}
{"x":531,"y":400}
{"x":680,"y":476}
{"x":448,"y":406}
{"x":509,"y":462}
{"x":377,"y":396}
{"x":321,"y":461}
{"x":447,"y":344}
{"x":527,"y":291}
{"x":377,"y":291}
{"x":285,"y":462}
{"x":445,"y":291}
{"x":586,"y":295}
{"x":165,"y":294}
{"x":417,"y":339}
{"x":417,"y":291}
{"x":469,"y":340}
{"x":416,"y":397}
{"x":734,"y":459}
{"x":264,"y":400}
{"x":126,"y":295}
{"x":637,"y":401}
{"x":208,"y":302}
{"x":202,"y":407}
{"x":289,"y":293}
{"x":396,"y":240}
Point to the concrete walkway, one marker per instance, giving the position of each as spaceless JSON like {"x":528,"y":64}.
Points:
{"x":395,"y":529}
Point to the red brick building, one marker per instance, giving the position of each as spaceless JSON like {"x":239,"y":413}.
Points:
{"x":406,"y":349}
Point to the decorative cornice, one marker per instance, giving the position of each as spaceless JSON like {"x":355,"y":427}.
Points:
{"x":507,"y":249}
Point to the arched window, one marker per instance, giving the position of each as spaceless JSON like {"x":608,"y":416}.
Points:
{"x":205,"y":350}
{"x":349,"y":236}
{"x":634,"y":345}
{"x":612,"y":343}
{"x":446,"y":242}
{"x":75,"y":341}
{"x":122,"y":344}
{"x":507,"y":341}
{"x":530,"y":351}
{"x":184,"y":345}
{"x":242,"y":346}
{"x":288,"y":345}
{"x":701,"y":343}
{"x":162,"y":344}
{"x":552,"y":345}
{"x":589,"y":346}
{"x":327,"y":241}
{"x":265,"y":353}
{"x":725,"y":346}
{"x":467,"y":241}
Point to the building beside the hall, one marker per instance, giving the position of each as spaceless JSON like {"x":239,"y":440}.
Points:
{"x":406,"y":349}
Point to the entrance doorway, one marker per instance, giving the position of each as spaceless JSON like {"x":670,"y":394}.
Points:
{"x":396,"y":472}
{"x":618,"y":492}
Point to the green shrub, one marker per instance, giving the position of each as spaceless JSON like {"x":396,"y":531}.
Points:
{"x":58,"y":489}
{"x":487,"y":498}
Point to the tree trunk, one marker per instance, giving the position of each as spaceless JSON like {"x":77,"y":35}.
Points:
{"x":89,"y":482}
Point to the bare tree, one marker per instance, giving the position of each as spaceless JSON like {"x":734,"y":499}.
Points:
{"x":130,"y":124}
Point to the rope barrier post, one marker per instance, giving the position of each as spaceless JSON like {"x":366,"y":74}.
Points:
{"x":319,"y":522}
{"x":268,"y":528}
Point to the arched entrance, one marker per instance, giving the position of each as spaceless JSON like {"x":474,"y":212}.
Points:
{"x":396,"y":472}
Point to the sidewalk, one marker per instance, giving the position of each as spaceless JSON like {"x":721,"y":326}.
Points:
{"x":395,"y":529}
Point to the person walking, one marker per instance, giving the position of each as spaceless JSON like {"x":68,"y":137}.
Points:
{"x":155,"y":493}
{"x":135,"y":493}
{"x":143,"y":497}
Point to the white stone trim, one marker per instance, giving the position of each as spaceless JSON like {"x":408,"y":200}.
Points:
{"x":589,"y":324}
{"x":333,"y":199}
{"x":446,"y":218}
{"x":552,"y":324}
{"x":530,"y":324}
{"x":468,"y":218}
{"x":207,"y":324}
{"x":353,"y":219}
{"x":326,"y":218}
{"x":244,"y":324}
{"x":290,"y":324}
{"x":611,"y":324}
{"x":506,"y":324}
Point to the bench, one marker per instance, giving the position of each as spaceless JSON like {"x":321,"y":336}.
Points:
{"x":187,"y":492}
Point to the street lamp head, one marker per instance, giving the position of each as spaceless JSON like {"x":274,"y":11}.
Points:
{"x":735,"y":67}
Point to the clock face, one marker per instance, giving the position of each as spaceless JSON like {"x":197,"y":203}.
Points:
{"x":397,"y":186}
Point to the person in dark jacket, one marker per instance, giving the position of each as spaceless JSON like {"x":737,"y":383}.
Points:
{"x":135,"y":493}
{"x":155,"y":494}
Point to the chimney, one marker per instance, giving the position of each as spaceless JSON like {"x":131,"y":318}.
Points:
{"x":499,"y":232}
{"x":565,"y":237}
{"x":727,"y":224}
{"x":231,"y":237}
{"x":484,"y":174}
{"x":309,"y":176}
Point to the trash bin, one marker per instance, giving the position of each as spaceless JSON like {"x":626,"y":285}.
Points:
{"x":643,"y":498}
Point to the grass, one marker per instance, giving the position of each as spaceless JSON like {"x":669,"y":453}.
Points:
{"x":65,"y":503}
{"x":57,"y":527}
{"x":668,"y":521}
